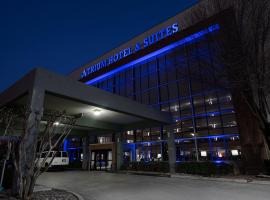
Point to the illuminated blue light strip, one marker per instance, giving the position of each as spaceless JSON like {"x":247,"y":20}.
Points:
{"x":214,"y":161}
{"x":208,"y":137}
{"x":186,"y":97}
{"x":149,"y":142}
{"x":208,"y":114}
{"x":218,"y":161}
{"x":74,"y":148}
{"x":191,"y":138}
{"x":155,"y":53}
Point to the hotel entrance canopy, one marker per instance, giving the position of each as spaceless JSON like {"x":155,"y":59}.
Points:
{"x":100,"y":110}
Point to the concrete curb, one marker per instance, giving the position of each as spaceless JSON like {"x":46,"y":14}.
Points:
{"x":263,"y":176}
{"x":157,"y":174}
{"x":41,"y":188}
{"x":196,"y":177}
{"x":77,"y":195}
{"x":235,"y":180}
{"x":260,"y":182}
{"x":45,"y":188}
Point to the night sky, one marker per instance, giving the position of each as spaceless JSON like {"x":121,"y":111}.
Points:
{"x":61,"y":35}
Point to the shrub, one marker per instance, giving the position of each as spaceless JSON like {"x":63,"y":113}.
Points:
{"x":267,"y":166}
{"x":200,"y":168}
{"x":146,"y":166}
{"x":8,"y":175}
{"x":204,"y":168}
{"x":77,"y":164}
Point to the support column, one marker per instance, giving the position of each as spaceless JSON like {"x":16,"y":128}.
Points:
{"x":119,"y":150}
{"x":92,"y":140}
{"x":86,"y":153}
{"x":171,"y":151}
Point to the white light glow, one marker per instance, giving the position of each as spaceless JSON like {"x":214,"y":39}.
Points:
{"x":130,"y":132}
{"x":235,"y":152}
{"x":221,"y":154}
{"x":56,"y":123}
{"x":203,"y":153}
{"x":96,"y":112}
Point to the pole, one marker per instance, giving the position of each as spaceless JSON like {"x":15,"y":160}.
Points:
{"x":2,"y":174}
{"x":4,"y":166}
{"x":196,"y":147}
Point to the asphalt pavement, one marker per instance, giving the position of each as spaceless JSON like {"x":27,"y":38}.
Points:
{"x":111,"y":186}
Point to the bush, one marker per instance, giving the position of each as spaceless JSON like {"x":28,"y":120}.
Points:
{"x":267,"y":166}
{"x":204,"y":168}
{"x":200,"y":168}
{"x":146,"y":166}
{"x":77,"y":164}
{"x":8,"y":176}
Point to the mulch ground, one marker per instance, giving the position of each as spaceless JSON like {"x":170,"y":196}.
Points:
{"x":54,"y":195}
{"x":47,"y":195}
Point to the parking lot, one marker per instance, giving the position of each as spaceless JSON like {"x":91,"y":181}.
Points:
{"x":109,"y":186}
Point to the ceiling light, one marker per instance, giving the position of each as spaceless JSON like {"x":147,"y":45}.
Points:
{"x":56,"y":123}
{"x":96,"y":112}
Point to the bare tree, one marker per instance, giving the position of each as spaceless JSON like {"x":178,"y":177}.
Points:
{"x":6,"y":119}
{"x":244,"y":51}
{"x":53,"y":128}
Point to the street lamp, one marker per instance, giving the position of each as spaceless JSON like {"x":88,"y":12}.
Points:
{"x":196,"y":145}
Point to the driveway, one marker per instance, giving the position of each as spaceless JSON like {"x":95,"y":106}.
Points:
{"x":108,"y":186}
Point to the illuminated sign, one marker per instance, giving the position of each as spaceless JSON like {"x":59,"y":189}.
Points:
{"x":148,"y":41}
{"x":170,"y":46}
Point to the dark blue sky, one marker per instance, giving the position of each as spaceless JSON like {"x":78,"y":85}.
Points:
{"x":61,"y":35}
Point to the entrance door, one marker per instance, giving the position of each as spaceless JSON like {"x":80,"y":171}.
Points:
{"x":101,"y":160}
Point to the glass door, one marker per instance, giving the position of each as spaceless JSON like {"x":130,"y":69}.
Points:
{"x":101,"y":160}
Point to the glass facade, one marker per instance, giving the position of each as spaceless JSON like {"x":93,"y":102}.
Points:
{"x":184,"y":81}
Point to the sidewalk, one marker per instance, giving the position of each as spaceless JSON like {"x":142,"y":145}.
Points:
{"x":263,"y":179}
{"x":236,"y":179}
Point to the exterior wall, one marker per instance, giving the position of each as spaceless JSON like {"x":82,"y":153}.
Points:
{"x":183,"y":82}
{"x":185,"y":19}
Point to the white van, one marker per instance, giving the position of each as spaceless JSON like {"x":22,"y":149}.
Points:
{"x":61,"y":159}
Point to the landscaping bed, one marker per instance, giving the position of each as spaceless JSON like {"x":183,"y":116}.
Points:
{"x":199,"y":168}
{"x":204,"y":168}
